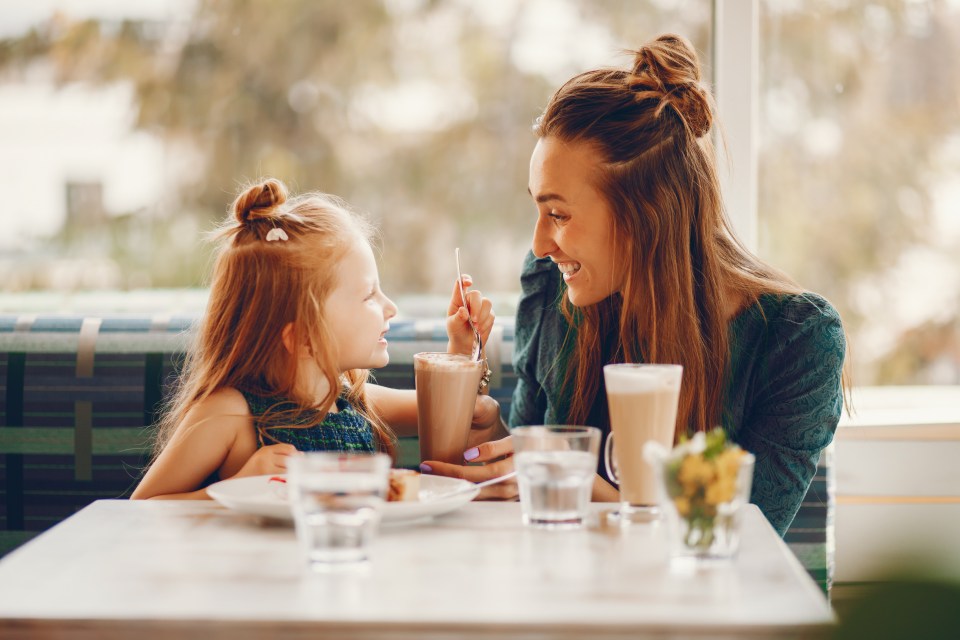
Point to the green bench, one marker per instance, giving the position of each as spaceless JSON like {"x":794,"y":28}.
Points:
{"x":79,"y":396}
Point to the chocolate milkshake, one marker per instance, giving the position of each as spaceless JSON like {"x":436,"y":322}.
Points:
{"x":447,"y":387}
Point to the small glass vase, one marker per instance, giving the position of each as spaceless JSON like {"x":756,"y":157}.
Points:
{"x":701,"y":500}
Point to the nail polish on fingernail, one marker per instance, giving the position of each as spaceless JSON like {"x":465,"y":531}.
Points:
{"x":425,"y":468}
{"x":471,"y":454}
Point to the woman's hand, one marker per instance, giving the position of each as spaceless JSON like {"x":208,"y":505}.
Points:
{"x":486,"y":424}
{"x":497,"y":460}
{"x":495,"y":455}
{"x":268,"y":460}
{"x":459,"y":333}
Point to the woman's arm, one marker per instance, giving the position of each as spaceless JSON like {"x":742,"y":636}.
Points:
{"x":216,"y":434}
{"x":496,"y":458}
{"x":539,"y":335}
{"x":796,"y":407}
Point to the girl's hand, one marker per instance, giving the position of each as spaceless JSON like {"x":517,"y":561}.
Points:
{"x":497,"y":459}
{"x":268,"y":460}
{"x":460,"y":335}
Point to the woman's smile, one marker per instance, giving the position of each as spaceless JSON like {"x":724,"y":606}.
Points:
{"x":568,"y":269}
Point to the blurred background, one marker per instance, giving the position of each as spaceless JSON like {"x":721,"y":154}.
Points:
{"x":126,"y":128}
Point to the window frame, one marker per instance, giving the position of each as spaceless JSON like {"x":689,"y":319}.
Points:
{"x":735,"y":79}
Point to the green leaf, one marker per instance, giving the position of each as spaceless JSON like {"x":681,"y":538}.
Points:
{"x":716,"y":443}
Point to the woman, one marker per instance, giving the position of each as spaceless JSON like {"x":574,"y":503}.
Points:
{"x":633,"y":261}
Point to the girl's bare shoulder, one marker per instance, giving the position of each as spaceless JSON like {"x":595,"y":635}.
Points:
{"x":225,"y":402}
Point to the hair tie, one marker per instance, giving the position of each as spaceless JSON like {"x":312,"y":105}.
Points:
{"x":277,"y":234}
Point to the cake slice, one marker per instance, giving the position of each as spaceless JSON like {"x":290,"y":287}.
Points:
{"x":404,"y":486}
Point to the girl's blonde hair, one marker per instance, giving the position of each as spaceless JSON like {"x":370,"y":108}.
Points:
{"x":679,"y":253}
{"x":258,"y":288}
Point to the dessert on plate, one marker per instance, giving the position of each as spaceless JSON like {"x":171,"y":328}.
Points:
{"x":403,"y":485}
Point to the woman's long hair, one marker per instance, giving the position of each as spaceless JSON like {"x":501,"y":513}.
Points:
{"x":258,"y":288}
{"x":680,"y":256}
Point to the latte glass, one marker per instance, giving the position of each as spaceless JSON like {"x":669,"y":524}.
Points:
{"x":447,"y":387}
{"x":643,"y":400}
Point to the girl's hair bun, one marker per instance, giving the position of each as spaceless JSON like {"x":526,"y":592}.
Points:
{"x":669,"y":66}
{"x":259,"y":201}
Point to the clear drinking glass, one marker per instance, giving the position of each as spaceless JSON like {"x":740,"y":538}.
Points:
{"x":702,"y":499}
{"x":555,"y":470}
{"x":643,"y":401}
{"x":336,"y":500}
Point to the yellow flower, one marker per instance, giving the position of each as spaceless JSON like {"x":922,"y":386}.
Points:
{"x":728,"y":462}
{"x":683,"y":505}
{"x":695,"y":472}
{"x":721,"y":491}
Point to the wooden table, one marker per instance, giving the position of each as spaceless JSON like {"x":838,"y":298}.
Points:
{"x":154,"y":569}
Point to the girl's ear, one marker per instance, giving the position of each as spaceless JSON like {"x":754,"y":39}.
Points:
{"x":286,"y":335}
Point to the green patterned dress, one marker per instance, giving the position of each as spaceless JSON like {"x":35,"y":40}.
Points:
{"x":345,"y":430}
{"x":783,"y":394}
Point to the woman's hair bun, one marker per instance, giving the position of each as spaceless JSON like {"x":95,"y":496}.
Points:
{"x":259,"y":201}
{"x":669,"y":66}
{"x":693,"y":104}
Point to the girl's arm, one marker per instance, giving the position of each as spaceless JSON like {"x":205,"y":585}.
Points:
{"x":216,"y":434}
{"x":397,"y":407}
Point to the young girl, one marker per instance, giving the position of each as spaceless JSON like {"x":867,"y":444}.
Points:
{"x":295,"y":318}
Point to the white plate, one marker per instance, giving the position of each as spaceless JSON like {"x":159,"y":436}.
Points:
{"x":258,"y":496}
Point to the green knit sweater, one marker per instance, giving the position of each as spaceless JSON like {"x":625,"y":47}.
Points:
{"x":783,"y":391}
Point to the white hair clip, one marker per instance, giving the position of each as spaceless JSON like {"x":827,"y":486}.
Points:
{"x":277,"y":234}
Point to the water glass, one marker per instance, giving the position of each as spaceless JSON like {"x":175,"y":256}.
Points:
{"x":336,"y":500}
{"x":555,"y":470}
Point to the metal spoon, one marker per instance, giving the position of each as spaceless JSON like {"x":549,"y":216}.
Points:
{"x":463,"y":296}
{"x":470,"y":487}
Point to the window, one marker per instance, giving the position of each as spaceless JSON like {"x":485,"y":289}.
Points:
{"x":858,"y":173}
{"x":127,"y":127}
{"x":130,"y":126}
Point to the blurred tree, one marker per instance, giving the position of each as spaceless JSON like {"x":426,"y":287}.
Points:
{"x":419,"y":112}
{"x":416,"y":112}
{"x":858,"y":101}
